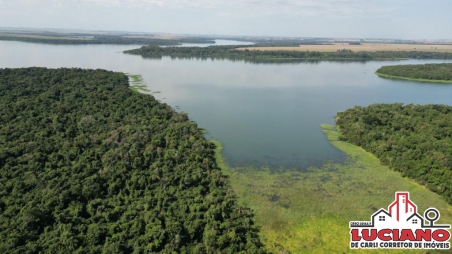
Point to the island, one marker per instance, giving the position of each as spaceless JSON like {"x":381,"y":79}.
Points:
{"x":438,"y":73}
{"x":255,"y":55}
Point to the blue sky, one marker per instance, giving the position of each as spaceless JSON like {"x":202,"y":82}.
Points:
{"x":404,"y":19}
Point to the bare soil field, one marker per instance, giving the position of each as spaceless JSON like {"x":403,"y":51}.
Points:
{"x":42,"y":37}
{"x":363,"y":47}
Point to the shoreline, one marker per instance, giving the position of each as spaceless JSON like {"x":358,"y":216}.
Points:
{"x":413,"y":79}
{"x":301,"y":212}
{"x":269,"y":59}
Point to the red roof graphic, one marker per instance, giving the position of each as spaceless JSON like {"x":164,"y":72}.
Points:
{"x":402,"y":207}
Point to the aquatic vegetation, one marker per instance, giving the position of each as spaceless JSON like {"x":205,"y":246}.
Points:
{"x":137,"y":83}
{"x":309,"y":212}
{"x":139,"y":88}
{"x":203,"y":131}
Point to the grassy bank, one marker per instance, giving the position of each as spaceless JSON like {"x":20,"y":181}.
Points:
{"x":309,"y":212}
{"x":413,"y":79}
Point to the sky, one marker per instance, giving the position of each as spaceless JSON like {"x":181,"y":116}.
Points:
{"x":401,"y":19}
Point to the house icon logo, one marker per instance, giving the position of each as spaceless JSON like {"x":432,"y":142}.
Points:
{"x":400,"y":227}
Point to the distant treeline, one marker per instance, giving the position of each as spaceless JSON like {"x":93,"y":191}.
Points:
{"x":105,"y":39}
{"x":412,"y":139}
{"x":89,"y":166}
{"x":232,"y":53}
{"x":433,"y":72}
{"x":285,"y":43}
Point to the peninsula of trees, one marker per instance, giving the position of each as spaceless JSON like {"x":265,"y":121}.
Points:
{"x":412,"y":139}
{"x":89,"y":166}
{"x":419,"y":72}
{"x":232,"y":53}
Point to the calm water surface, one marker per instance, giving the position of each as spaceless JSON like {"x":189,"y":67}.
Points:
{"x":264,"y":114}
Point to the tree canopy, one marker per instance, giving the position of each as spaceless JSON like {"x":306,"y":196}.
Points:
{"x":415,"y":140}
{"x":232,"y":53}
{"x":432,"y":72}
{"x":89,"y":166}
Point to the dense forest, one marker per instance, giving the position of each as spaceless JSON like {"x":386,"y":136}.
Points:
{"x":89,"y":166}
{"x":231,"y":52}
{"x":433,"y":72}
{"x":412,"y":139}
{"x":104,"y":39}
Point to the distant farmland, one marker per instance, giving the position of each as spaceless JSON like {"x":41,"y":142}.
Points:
{"x":362,"y":47}
{"x":41,"y":37}
{"x":157,"y":36}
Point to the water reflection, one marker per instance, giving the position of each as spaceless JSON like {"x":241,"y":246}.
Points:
{"x":254,"y":61}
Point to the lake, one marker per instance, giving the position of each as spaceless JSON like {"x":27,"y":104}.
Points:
{"x":264,"y":114}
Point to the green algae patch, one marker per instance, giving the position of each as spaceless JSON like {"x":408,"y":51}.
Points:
{"x":203,"y":130}
{"x":137,"y":84}
{"x":309,"y":212}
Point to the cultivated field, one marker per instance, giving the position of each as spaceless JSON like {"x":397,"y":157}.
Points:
{"x":41,"y":37}
{"x":363,"y":47}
